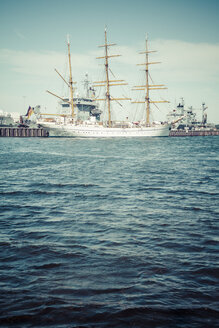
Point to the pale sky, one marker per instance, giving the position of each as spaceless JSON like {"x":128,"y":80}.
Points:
{"x":33,"y":43}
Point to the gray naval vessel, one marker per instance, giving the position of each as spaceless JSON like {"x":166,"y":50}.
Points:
{"x":187,"y":122}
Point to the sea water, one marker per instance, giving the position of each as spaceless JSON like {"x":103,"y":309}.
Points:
{"x":109,"y":232}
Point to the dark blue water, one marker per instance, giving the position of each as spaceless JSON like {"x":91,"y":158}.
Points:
{"x":109,"y":233}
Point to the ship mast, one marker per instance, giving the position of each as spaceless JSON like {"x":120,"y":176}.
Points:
{"x":108,"y":83}
{"x":70,"y":82}
{"x":147,"y":87}
{"x":107,"y":79}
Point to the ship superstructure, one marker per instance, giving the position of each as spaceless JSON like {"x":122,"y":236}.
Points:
{"x":85,"y":106}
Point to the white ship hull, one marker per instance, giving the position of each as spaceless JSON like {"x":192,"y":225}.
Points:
{"x":99,"y":131}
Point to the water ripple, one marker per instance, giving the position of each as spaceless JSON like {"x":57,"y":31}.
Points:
{"x":109,"y":233}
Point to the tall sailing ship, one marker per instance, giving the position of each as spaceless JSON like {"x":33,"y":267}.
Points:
{"x":72,"y":126}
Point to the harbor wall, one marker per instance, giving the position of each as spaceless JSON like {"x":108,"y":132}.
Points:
{"x":23,"y":132}
{"x":190,"y":133}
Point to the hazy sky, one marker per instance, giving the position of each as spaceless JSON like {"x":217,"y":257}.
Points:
{"x":33,"y":43}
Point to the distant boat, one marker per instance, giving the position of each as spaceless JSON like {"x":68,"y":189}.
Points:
{"x":73,"y":126}
{"x":186,"y":118}
{"x":185,"y":122}
{"x":6,"y":119}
